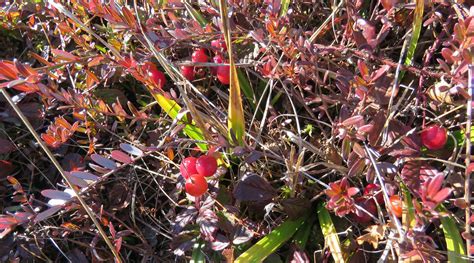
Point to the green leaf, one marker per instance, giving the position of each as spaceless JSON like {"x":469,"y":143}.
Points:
{"x":271,"y":242}
{"x":284,"y":7}
{"x":196,"y":15}
{"x":246,"y":88}
{"x":454,"y":242}
{"x":301,"y":237}
{"x":330,"y":235}
{"x":172,"y":109}
{"x":198,"y":256}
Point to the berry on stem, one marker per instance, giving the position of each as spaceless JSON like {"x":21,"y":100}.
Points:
{"x":396,"y":204}
{"x":218,"y":60}
{"x":223,"y":74}
{"x":188,"y":167}
{"x":206,"y":165}
{"x":434,"y":137}
{"x":156,"y":76}
{"x":188,"y":72}
{"x":199,"y":55}
{"x":196,"y":185}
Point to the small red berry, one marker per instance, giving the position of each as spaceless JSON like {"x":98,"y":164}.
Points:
{"x":188,"y":167}
{"x":373,"y":190}
{"x":156,"y":76}
{"x":367,"y":204}
{"x":397,"y":205}
{"x":223,"y":74}
{"x":434,"y":137}
{"x":218,"y":60}
{"x":196,"y":185}
{"x":206,"y":165}
{"x":219,"y":44}
{"x":199,"y":55}
{"x":188,"y":72}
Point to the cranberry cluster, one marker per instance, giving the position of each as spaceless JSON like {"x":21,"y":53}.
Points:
{"x":199,"y":55}
{"x":194,"y":170}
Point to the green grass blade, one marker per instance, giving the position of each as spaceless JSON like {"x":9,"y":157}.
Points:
{"x":271,"y":242}
{"x":285,"y":4}
{"x":195,"y":14}
{"x":408,"y":218}
{"x":301,"y":237}
{"x":198,"y":256}
{"x":454,"y":242}
{"x":172,"y":109}
{"x":236,"y":121}
{"x":246,"y":88}
{"x":330,"y":234}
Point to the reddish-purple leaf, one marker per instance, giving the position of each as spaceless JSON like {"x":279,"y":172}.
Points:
{"x":104,"y":162}
{"x":121,"y":156}
{"x":47,"y":213}
{"x":85,"y":176}
{"x":242,"y":235}
{"x":364,"y":70}
{"x":63,"y":55}
{"x":442,"y":195}
{"x":56,"y":194}
{"x":98,"y":168}
{"x":253,"y":188}
{"x":207,"y":221}
{"x":6,"y":146}
{"x":357,"y":119}
{"x":220,"y":243}
{"x":77,"y":181}
{"x":131,"y":149}
{"x":434,"y":185}
{"x":7,"y":221}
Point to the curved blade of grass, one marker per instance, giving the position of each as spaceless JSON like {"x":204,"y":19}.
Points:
{"x":454,"y":242}
{"x":417,"y":23}
{"x":172,"y":109}
{"x":246,"y":88}
{"x":235,"y":122}
{"x":330,"y":235}
{"x":198,"y":256}
{"x":408,"y":218}
{"x":271,"y":242}
{"x":196,"y":15}
{"x":285,"y":4}
{"x":301,"y":237}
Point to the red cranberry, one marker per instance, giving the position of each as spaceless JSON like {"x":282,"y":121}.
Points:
{"x":206,"y":165}
{"x":188,"y":167}
{"x":196,"y":185}
{"x":434,"y":137}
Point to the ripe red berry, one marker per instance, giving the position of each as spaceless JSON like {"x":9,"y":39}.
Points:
{"x":373,"y":190}
{"x":199,"y":55}
{"x":156,"y":76}
{"x":434,"y":137}
{"x":196,"y":185}
{"x":367,"y":204}
{"x":188,"y":167}
{"x":218,"y":60}
{"x":188,"y":72}
{"x":219,"y":44}
{"x":397,"y":205}
{"x":223,"y":74}
{"x":206,"y":165}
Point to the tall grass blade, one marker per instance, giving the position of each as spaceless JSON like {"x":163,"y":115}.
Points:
{"x":454,"y":243}
{"x":330,"y":235}
{"x":271,"y":242}
{"x":196,"y":15}
{"x":235,"y":122}
{"x":285,"y":4}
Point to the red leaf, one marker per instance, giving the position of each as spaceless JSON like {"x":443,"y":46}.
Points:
{"x":121,"y":156}
{"x":63,"y":55}
{"x":56,"y":194}
{"x":8,"y":71}
{"x":434,"y":185}
{"x":353,"y":120}
{"x":85,"y":175}
{"x":442,"y":195}
{"x":7,"y":221}
{"x":104,"y":162}
{"x":47,"y":213}
{"x":128,"y":148}
{"x":6,"y":146}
